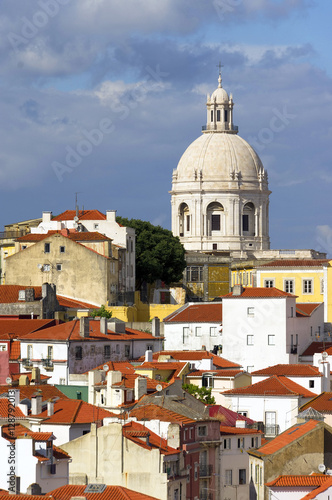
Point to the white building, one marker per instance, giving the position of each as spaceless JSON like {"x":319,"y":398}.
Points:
{"x":220,"y":195}
{"x":262,"y":326}
{"x":194,"y":326}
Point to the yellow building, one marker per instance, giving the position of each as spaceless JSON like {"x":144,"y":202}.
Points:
{"x":309,"y":279}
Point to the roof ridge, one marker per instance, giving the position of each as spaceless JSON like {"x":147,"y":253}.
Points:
{"x":76,"y":411}
{"x":72,"y":330}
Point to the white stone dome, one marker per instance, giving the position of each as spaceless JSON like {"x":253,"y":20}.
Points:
{"x":220,"y":157}
{"x":220,"y":95}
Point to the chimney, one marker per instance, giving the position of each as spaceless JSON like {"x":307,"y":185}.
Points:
{"x":111,"y":215}
{"x":148,"y":356}
{"x":156,"y":327}
{"x":117,"y":326}
{"x":237,"y":290}
{"x":47,"y":216}
{"x":36,"y":404}
{"x":103,"y":325}
{"x":29,"y":295}
{"x":84,"y":327}
{"x":35,"y":375}
{"x":50,"y":408}
{"x":141,"y":387}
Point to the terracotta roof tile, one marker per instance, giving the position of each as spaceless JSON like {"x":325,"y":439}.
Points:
{"x":16,"y":376}
{"x":218,"y":361}
{"x":74,"y":304}
{"x":74,"y":236}
{"x":295,"y":370}
{"x":73,"y":411}
{"x":306,"y":309}
{"x":6,"y":410}
{"x":109,"y":493}
{"x":298,"y":481}
{"x":21,"y":327}
{"x":226,"y":416}
{"x":120,"y":366}
{"x":225,"y":429}
{"x":210,"y":312}
{"x":317,"y":347}
{"x":154,"y":412}
{"x":128,"y":381}
{"x":296,"y":263}
{"x":321,"y":403}
{"x":24,"y":497}
{"x":215,"y":373}
{"x":260,"y":292}
{"x":273,"y":386}
{"x":9,"y":293}
{"x":154,"y":441}
{"x":82,"y":215}
{"x":287,"y":437}
{"x":26,"y":391}
{"x":323,"y":487}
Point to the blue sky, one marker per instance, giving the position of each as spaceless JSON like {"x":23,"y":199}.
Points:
{"x":136,"y":73}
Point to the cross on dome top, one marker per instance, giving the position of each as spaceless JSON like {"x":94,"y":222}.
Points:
{"x":219,"y":78}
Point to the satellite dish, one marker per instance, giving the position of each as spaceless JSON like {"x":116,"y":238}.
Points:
{"x":76,"y":219}
{"x":8,"y":380}
{"x":106,"y":368}
{"x":321,"y":468}
{"x":159,"y":387}
{"x":324,"y":355}
{"x":40,"y":266}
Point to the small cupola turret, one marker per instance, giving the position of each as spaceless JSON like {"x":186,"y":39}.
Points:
{"x":220,"y":111}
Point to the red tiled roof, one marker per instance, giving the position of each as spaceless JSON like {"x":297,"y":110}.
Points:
{"x":73,"y":411}
{"x":82,"y":215}
{"x":71,"y":329}
{"x":21,"y":327}
{"x":260,"y":292}
{"x":109,"y":493}
{"x":154,"y":442}
{"x":128,"y":381}
{"x":16,"y":376}
{"x":295,"y":370}
{"x":225,"y":429}
{"x":154,"y":412}
{"x":60,"y":454}
{"x":19,"y":430}
{"x":323,"y":487}
{"x":9,"y":293}
{"x":74,"y":236}
{"x":298,"y":481}
{"x":120,"y":366}
{"x":226,"y":416}
{"x":296,"y":263}
{"x":215,"y":373}
{"x":317,"y":347}
{"x":273,"y":386}
{"x":26,"y":391}
{"x":321,"y":403}
{"x":175,"y":368}
{"x":288,"y":436}
{"x":24,"y":497}
{"x":218,"y":361}
{"x":7,"y":410}
{"x":15,"y":350}
{"x":306,"y":309}
{"x":73,"y":303}
{"x":210,"y":312}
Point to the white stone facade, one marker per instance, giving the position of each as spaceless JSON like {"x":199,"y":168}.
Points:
{"x":220,"y":196}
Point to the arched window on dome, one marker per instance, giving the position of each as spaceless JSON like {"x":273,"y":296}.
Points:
{"x":184,"y":220}
{"x":214,"y":218}
{"x":248,"y":219}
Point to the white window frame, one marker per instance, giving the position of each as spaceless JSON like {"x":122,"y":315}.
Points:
{"x":227,"y":444}
{"x":290,"y":284}
{"x":198,"y":331}
{"x":271,"y":339}
{"x":306,"y":281}
{"x":213,"y":331}
{"x":251,"y":311}
{"x":250,"y":340}
{"x":269,"y":282}
{"x":228,"y":477}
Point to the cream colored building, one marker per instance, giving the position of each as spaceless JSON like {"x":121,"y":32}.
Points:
{"x":220,"y":195}
{"x":81,"y":265}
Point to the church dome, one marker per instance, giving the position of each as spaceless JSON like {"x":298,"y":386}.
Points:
{"x":220,"y":95}
{"x":220,"y":157}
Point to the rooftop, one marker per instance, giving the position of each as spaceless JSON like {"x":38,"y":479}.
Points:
{"x":107,"y":493}
{"x":321,"y":403}
{"x":259,"y":292}
{"x":276,"y":385}
{"x":209,"y":312}
{"x":296,"y":263}
{"x":292,"y":370}
{"x":135,"y":431}
{"x":298,"y":481}
{"x":154,"y":412}
{"x":82,"y":215}
{"x":71,"y":235}
{"x":74,"y":411}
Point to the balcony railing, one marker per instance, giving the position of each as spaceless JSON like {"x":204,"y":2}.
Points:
{"x":205,"y":495}
{"x":7,"y":235}
{"x":48,"y":364}
{"x":205,"y":470}
{"x":27,"y":363}
{"x":271,"y":430}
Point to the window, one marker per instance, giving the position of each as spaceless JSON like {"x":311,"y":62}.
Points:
{"x":211,"y":116}
{"x":188,"y":473}
{"x":24,"y":247}
{"x":227,"y":444}
{"x":256,"y":474}
{"x":202,"y":430}
{"x":59,"y":267}
{"x":225,"y":115}
{"x":213,"y":331}
{"x":185,"y":333}
{"x":47,"y":268}
{"x":250,"y":340}
{"x":240,"y":443}
{"x":198,"y":331}
{"x":96,"y":226}
{"x":127,"y":351}
{"x":117,"y":348}
{"x":322,"y":285}
{"x":311,"y":384}
{"x":289,"y":286}
{"x":21,"y":295}
{"x":214,"y":246}
{"x":92,"y":349}
{"x":62,"y":249}
{"x":271,"y":339}
{"x":311,"y":330}
{"x":196,"y":471}
{"x":292,"y":312}
{"x":149,"y":347}
{"x":188,"y":222}
{"x":78,"y":352}
{"x":251,"y":311}
{"x":50,"y":352}
{"x":228,"y":477}
{"x":268,"y":283}
{"x":207,"y":380}
{"x":245,"y":222}
{"x":62,"y":381}
{"x":107,"y":351}
{"x":307,"y":286}
{"x":29,"y":351}
{"x":270,"y":423}
{"x":218,"y":115}
{"x":244,"y":413}
{"x":47,"y":247}
{"x":195,"y":273}
{"x":242,"y":476}
{"x":215,"y":222}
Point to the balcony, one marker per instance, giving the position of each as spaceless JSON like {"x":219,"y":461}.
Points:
{"x":271,"y":430}
{"x":293,"y":349}
{"x":27,"y":363}
{"x":205,"y":471}
{"x":9,"y":235}
{"x":48,"y":364}
{"x":205,"y":495}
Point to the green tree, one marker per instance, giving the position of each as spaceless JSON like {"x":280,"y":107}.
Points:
{"x":159,"y":254}
{"x":201,"y":393}
{"x":102,"y":312}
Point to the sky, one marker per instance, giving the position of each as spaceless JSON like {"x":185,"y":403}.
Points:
{"x":102,"y":97}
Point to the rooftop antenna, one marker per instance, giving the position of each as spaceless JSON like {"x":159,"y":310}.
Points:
{"x":76,"y":205}
{"x":219,"y":78}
